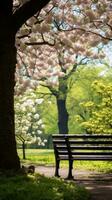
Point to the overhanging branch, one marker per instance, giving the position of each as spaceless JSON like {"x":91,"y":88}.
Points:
{"x":26,"y":11}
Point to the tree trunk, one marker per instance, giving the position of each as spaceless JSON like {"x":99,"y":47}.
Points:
{"x":8,"y":153}
{"x":10,"y":23}
{"x":62,"y":116}
{"x":23,"y":148}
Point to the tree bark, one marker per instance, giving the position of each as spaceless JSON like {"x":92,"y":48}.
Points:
{"x":8,"y":154}
{"x":62,"y":116}
{"x":23,"y":148}
{"x":26,"y":11}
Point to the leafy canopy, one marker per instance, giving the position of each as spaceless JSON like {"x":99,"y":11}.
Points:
{"x":101,"y":110}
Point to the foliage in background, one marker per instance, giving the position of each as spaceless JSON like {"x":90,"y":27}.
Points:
{"x":48,"y":110}
{"x":82,"y":92}
{"x":100,"y":120}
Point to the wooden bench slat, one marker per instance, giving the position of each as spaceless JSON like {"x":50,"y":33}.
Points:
{"x":88,"y":147}
{"x":84,"y":142}
{"x":87,"y":153}
{"x":82,"y":136}
{"x":92,"y":157}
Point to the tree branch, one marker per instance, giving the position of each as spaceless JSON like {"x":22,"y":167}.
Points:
{"x":51,"y":89}
{"x":39,"y":43}
{"x":20,"y":138}
{"x":26,"y":11}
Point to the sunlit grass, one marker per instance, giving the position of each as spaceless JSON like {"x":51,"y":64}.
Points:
{"x":46,"y":157}
{"x":38,"y":156}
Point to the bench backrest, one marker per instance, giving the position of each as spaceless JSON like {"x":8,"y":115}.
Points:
{"x":69,"y":145}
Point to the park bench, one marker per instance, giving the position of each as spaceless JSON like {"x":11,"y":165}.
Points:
{"x":81,"y":147}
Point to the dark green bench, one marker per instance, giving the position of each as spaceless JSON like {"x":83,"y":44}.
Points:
{"x":81,"y":147}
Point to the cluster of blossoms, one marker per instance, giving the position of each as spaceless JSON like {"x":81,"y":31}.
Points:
{"x":29,"y":125}
{"x":62,"y":35}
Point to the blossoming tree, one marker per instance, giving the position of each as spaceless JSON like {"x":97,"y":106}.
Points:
{"x":65,"y":35}
{"x":28,"y":123}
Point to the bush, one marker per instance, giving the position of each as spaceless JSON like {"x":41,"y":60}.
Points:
{"x":39,"y":187}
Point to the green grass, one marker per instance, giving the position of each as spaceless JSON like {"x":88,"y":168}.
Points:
{"x":46,"y":157}
{"x":38,"y":156}
{"x":41,"y":188}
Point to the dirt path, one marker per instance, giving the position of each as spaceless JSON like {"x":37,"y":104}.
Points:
{"x":100,"y":185}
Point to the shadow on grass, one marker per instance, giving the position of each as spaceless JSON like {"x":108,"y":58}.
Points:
{"x":39,"y":187}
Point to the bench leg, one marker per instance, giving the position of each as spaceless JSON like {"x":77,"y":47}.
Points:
{"x":57,"y":168}
{"x":70,"y":169}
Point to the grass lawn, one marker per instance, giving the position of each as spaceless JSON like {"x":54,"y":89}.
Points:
{"x":39,"y":187}
{"x":46,"y":157}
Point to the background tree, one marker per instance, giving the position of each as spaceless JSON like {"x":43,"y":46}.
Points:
{"x":28,"y":123}
{"x":80,"y":93}
{"x":71,"y":34}
{"x":12,"y":17}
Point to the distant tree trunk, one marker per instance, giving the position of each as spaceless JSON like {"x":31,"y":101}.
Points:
{"x":23,"y":148}
{"x":63,"y":115}
{"x":8,"y":154}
